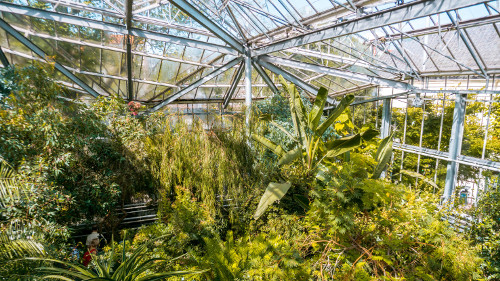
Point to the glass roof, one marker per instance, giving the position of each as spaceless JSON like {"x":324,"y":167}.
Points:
{"x":161,"y":47}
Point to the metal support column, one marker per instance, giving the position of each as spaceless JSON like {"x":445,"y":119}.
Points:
{"x":128,"y":20}
{"x":385,"y":128}
{"x":248,"y":86}
{"x":457,"y":131}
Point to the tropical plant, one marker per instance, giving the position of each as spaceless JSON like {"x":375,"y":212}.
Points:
{"x":313,"y":154}
{"x":138,"y":266}
{"x":16,"y":237}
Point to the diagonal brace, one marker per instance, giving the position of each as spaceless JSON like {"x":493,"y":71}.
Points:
{"x":198,"y":16}
{"x":35,"y":49}
{"x":234,"y":85}
{"x":198,"y":83}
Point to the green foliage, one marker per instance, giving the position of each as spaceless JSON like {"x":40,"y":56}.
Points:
{"x":78,"y":161}
{"x":261,"y":257}
{"x":313,"y":155}
{"x":376,"y":229}
{"x":339,"y":222}
{"x":215,"y":166}
{"x":17,"y":238}
{"x":134,"y":267}
{"x":486,"y":231}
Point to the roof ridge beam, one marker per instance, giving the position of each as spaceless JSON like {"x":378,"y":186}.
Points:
{"x":394,"y":15}
{"x":198,"y":16}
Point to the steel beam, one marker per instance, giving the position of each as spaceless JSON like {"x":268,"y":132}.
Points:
{"x":248,"y":87}
{"x":338,"y":73}
{"x":183,"y":41}
{"x":3,"y":58}
{"x":104,"y":47}
{"x":248,"y":80}
{"x":265,"y":77}
{"x":234,"y":85}
{"x":187,"y":77}
{"x":468,"y":44}
{"x":292,"y":78}
{"x":385,"y":129}
{"x":35,"y":49}
{"x":443,"y":155}
{"x":105,"y":26}
{"x":457,"y":133}
{"x":339,"y":59}
{"x":199,"y":82}
{"x":210,"y":100}
{"x":128,"y":22}
{"x":198,"y":16}
{"x":442,"y":28}
{"x":387,"y":17}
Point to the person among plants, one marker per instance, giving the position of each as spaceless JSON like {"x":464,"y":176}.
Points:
{"x":92,"y":236}
{"x":92,"y":251}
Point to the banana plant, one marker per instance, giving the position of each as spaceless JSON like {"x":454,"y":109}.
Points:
{"x":311,"y":151}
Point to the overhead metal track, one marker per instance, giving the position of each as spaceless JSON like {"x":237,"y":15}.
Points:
{"x":198,"y":16}
{"x":201,"y":81}
{"x":398,"y":14}
{"x":338,"y":73}
{"x":106,"y":26}
{"x":35,"y":49}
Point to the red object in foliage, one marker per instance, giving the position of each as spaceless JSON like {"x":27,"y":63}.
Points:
{"x":87,"y":257}
{"x":134,"y":106}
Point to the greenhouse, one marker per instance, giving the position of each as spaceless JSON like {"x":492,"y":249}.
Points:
{"x":249,"y":140}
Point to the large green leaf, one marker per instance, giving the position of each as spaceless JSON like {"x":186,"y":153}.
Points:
{"x":420,"y":176}
{"x":300,"y":110}
{"x":278,"y":150}
{"x":274,"y":191}
{"x":342,"y":145}
{"x":288,"y":90}
{"x":344,"y":103}
{"x":290,"y":156}
{"x":383,"y":156}
{"x":317,"y":108}
{"x":369,"y":134}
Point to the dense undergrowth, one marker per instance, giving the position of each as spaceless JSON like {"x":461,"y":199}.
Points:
{"x":69,"y":162}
